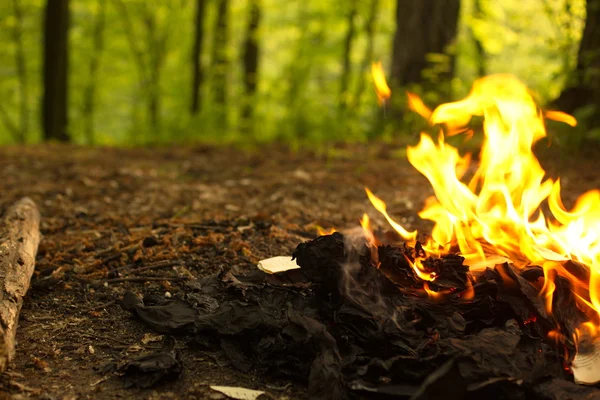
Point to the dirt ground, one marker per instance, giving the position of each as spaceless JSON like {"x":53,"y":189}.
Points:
{"x":156,"y":220}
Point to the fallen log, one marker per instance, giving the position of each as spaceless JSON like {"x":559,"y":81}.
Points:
{"x":19,"y":239}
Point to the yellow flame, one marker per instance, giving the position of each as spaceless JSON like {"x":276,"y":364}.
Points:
{"x":416,"y":104}
{"x":323,"y":231}
{"x":381,"y":207}
{"x":496,"y":214}
{"x":381,"y":87}
{"x":433,"y":295}
{"x":365,"y":222}
{"x":372,"y":242}
{"x":417,"y":266}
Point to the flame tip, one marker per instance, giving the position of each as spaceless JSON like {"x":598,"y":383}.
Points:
{"x":382,"y":90}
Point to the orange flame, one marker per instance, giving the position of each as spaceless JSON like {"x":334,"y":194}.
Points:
{"x":417,"y":266}
{"x":381,"y":207}
{"x":433,"y":295}
{"x":365,"y":222}
{"x":469,"y":293}
{"x":416,"y":104}
{"x":561,"y":117}
{"x":372,"y":242}
{"x":496,"y":216}
{"x":381,"y":87}
{"x":323,"y":232}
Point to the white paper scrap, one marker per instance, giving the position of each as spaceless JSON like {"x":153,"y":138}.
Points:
{"x":277,"y":264}
{"x":586,"y":365}
{"x":238,"y":392}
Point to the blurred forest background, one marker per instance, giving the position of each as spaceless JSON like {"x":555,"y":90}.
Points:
{"x":135,"y":72}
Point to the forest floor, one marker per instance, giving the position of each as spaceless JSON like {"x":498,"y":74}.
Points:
{"x":156,"y":220}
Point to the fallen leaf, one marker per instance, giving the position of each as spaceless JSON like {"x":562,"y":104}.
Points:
{"x":277,"y":264}
{"x":149,"y":338}
{"x":238,"y":393}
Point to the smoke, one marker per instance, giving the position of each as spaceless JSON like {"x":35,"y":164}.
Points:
{"x":362,"y":283}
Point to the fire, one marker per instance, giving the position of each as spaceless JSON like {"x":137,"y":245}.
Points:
{"x":365,"y":222}
{"x":492,"y":212}
{"x":561,"y":117}
{"x":381,"y":87}
{"x":416,"y":104}
{"x":381,"y":207}
{"x":324,"y":231}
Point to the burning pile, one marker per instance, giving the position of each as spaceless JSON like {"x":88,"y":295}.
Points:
{"x":497,"y":215}
{"x":494,"y":303}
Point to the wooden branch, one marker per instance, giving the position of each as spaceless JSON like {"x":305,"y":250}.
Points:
{"x":19,"y":239}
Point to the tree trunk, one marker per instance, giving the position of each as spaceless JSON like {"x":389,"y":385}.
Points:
{"x":220,"y":61}
{"x":585,"y":89}
{"x":423,"y":27}
{"x":197,"y":71}
{"x":21,"y":73}
{"x":90,"y":89}
{"x":346,"y":65}
{"x":250,"y":63}
{"x":56,"y":60}
{"x":19,"y":239}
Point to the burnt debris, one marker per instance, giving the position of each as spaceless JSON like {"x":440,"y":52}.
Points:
{"x":148,"y":370}
{"x":351,"y":328}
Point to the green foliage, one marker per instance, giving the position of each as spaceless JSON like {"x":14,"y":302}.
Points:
{"x":535,"y":40}
{"x":301,"y":45}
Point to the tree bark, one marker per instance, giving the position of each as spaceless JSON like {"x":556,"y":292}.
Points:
{"x":56,"y":60}
{"x":220,"y":62}
{"x":423,"y":27}
{"x":585,"y":87}
{"x":346,"y":65}
{"x":19,"y":239}
{"x":21,"y":73}
{"x":250,"y":62}
{"x":89,"y":96}
{"x":197,"y":71}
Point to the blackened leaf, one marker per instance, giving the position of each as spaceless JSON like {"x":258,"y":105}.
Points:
{"x":162,"y":315}
{"x":149,"y":370}
{"x":236,"y":354}
{"x":325,"y":380}
{"x":234,"y":317}
{"x":321,"y":259}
